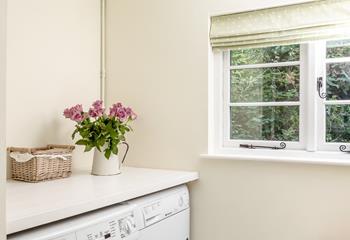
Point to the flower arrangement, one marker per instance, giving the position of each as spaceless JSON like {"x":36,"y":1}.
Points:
{"x":101,"y":130}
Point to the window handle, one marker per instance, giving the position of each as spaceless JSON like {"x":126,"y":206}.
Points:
{"x":251,"y":146}
{"x":320,"y":88}
{"x":342,"y":148}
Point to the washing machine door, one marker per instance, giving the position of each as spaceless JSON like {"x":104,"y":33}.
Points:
{"x":176,"y":227}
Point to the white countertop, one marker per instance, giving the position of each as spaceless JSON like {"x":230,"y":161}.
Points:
{"x":34,"y":204}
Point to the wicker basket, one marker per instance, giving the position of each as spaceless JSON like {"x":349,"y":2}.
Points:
{"x":41,"y":164}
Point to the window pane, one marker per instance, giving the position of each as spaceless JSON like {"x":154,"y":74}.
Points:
{"x":338,"y":123}
{"x":336,"y":49}
{"x":278,"y":123}
{"x":265,"y":84}
{"x":338,"y":81}
{"x":265,"y":55}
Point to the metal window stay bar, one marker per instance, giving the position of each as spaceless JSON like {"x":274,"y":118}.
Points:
{"x":342,"y":148}
{"x":283,"y":145}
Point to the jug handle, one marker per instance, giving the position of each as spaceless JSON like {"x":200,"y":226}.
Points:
{"x":126,"y":151}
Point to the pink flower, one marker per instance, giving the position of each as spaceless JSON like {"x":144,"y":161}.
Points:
{"x":114,"y":109}
{"x":75,"y":113}
{"x":118,"y":105}
{"x":130,"y":113}
{"x":78,"y":117}
{"x":97,"y":109}
{"x":78,"y":108}
{"x":67,"y":113}
{"x":117,"y":110}
{"x":98,"y":104}
{"x":121,"y":114}
{"x":93,"y":113}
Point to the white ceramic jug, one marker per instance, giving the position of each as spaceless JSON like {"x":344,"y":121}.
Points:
{"x":106,"y":167}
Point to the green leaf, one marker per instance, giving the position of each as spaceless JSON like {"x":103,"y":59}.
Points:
{"x":88,"y":148}
{"x":82,"y":142}
{"x":109,"y":126}
{"x":101,"y":141}
{"x":108,"y":153}
{"x":74,"y":133}
{"x":98,"y":147}
{"x":115,"y":149}
{"x":84,"y":133}
{"x":113,"y":134}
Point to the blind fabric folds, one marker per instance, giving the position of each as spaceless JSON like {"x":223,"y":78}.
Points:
{"x":300,"y":23}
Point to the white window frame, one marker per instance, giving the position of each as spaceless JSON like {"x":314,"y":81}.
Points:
{"x":227,"y":142}
{"x":321,"y":103}
{"x":311,"y":131}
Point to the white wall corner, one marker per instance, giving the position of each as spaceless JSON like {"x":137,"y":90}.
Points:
{"x":211,"y":130}
{"x":2,"y":119}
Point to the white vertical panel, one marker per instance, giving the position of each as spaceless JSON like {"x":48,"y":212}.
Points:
{"x":2,"y":118}
{"x":53,"y":62}
{"x":103,"y":50}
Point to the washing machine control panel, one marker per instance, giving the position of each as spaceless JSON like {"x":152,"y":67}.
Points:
{"x":115,"y":229}
{"x":102,"y":231}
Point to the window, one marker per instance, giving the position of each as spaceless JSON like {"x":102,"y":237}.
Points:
{"x":297,"y":95}
{"x":335,"y":107}
{"x":280,"y":82}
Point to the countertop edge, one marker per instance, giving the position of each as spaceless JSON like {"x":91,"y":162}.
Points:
{"x":59,"y":214}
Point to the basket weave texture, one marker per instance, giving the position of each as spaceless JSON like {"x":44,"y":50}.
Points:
{"x":47,"y":163}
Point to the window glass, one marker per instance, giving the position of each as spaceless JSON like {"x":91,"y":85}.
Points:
{"x":337,"y":49}
{"x":338,"y":123}
{"x":274,"y":123}
{"x":338,"y":81}
{"x":260,"y":96}
{"x":337,"y":111}
{"x":288,"y":53}
{"x":265,"y":84}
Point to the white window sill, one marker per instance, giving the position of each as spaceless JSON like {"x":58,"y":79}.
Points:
{"x":292,"y":156}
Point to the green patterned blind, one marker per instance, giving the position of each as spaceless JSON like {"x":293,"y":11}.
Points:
{"x":299,"y":23}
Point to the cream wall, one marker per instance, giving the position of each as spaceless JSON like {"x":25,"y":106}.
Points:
{"x":157,"y":63}
{"x":2,"y":117}
{"x":53,"y":62}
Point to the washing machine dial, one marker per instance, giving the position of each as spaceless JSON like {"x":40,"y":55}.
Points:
{"x":181,"y":201}
{"x":127,"y":226}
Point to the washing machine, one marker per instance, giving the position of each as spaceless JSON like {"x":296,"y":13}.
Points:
{"x":111,"y":223}
{"x":164,"y":215}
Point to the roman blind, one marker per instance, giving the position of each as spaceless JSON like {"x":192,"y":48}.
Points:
{"x":299,"y":23}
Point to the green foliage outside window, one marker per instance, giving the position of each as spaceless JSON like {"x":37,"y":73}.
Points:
{"x":288,"y":53}
{"x":338,"y":81}
{"x":338,"y":123}
{"x":339,"y":48}
{"x":269,"y":84}
{"x":278,"y":84}
{"x":275,"y":84}
{"x":278,"y":123}
{"x":338,"y":88}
